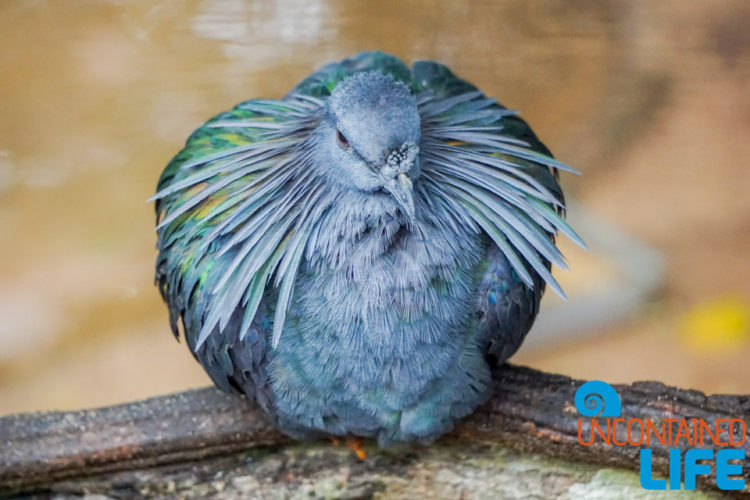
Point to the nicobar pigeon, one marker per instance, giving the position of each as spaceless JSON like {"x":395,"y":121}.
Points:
{"x":357,"y":255}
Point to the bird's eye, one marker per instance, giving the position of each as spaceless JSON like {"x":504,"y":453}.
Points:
{"x":343,"y":141}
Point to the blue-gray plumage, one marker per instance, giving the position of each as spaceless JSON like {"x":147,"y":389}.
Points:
{"x":357,"y":255}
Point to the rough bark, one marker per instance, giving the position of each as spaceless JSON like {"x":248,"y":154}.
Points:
{"x":204,"y":442}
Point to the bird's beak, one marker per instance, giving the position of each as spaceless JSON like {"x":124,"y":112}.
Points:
{"x":402,"y":189}
{"x":395,"y":176}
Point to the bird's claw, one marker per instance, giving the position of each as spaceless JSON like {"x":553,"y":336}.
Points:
{"x":355,"y":444}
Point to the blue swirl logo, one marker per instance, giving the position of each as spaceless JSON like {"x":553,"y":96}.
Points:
{"x":598,"y":399}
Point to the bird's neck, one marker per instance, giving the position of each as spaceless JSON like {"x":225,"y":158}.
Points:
{"x":357,"y":228}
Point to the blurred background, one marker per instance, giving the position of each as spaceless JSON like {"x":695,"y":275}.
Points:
{"x":649,"y":100}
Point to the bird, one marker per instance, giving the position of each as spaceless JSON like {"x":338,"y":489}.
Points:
{"x":357,"y":256}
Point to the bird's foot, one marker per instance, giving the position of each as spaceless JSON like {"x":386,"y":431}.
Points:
{"x":355,"y":443}
{"x":334,"y":440}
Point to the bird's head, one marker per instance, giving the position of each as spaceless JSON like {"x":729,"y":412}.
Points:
{"x":368,"y":140}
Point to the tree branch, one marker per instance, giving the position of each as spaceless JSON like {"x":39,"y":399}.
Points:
{"x":530,"y":411}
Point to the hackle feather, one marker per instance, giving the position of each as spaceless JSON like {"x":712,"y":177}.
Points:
{"x":268,"y":203}
{"x":264,"y":201}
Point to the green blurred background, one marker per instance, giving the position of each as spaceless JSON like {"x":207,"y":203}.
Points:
{"x":650,"y":100}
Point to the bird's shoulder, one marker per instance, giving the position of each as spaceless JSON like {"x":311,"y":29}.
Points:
{"x":240,"y":127}
{"x":438,"y":80}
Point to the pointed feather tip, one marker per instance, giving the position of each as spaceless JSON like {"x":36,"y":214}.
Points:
{"x":165,"y":222}
{"x":561,"y":166}
{"x":550,"y":161}
{"x":581,"y":244}
{"x":568,"y":169}
{"x":201,"y":338}
{"x":557,"y":289}
{"x":573,"y":236}
{"x":275,"y":337}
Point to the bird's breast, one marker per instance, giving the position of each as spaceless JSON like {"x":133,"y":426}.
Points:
{"x":394,"y":317}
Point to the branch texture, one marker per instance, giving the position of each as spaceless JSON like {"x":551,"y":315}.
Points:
{"x":531,"y":412}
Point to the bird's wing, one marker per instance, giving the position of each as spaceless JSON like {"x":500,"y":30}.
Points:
{"x":506,"y":306}
{"x":232,"y":215}
{"x":489,"y":171}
